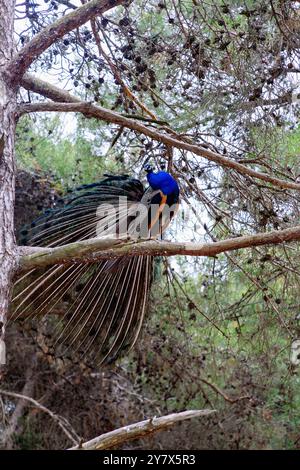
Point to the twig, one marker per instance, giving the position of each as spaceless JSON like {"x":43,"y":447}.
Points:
{"x":61,"y":422}
{"x":223,"y":394}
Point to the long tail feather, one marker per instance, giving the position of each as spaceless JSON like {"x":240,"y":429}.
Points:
{"x":99,"y":307}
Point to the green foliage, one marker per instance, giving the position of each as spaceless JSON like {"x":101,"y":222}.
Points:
{"x":217,"y":329}
{"x":29,"y":439}
{"x":70,"y":159}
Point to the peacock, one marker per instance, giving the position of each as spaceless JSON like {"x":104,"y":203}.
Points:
{"x":96,"y":309}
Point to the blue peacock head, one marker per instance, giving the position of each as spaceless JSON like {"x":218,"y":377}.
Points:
{"x":164,"y":182}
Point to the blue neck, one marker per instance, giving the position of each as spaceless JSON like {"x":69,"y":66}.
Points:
{"x":164,"y":182}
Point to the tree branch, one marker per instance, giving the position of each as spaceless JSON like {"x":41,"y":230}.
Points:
{"x":36,"y":85}
{"x":61,"y":422}
{"x":138,"y":430}
{"x":34,"y":48}
{"x":223,"y":394}
{"x":73,"y":104}
{"x":91,"y":250}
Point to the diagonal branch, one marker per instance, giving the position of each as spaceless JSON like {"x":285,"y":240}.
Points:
{"x":34,"y":48}
{"x":139,"y":430}
{"x":59,"y":420}
{"x":92,"y":111}
{"x":91,"y":250}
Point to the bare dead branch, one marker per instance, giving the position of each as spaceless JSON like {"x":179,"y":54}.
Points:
{"x":139,"y":430}
{"x":34,"y":48}
{"x":92,"y":111}
{"x":61,"y":422}
{"x":104,"y":248}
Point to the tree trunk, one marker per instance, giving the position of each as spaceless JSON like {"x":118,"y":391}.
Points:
{"x":8,"y":101}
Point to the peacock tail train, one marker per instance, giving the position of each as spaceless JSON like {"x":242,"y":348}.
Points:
{"x":96,"y":308}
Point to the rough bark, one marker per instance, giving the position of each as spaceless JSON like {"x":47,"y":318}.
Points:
{"x":8,"y":105}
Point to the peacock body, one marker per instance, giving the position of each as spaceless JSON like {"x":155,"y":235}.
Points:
{"x":96,"y":307}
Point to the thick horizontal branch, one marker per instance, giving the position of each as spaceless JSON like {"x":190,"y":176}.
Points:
{"x":139,"y":430}
{"x":94,"y":249}
{"x":72,"y":104}
{"x":41,"y":41}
